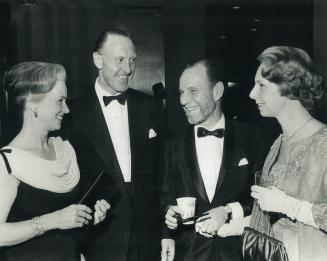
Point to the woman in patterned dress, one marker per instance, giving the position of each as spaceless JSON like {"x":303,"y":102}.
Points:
{"x":293,"y":186}
{"x":294,"y":182}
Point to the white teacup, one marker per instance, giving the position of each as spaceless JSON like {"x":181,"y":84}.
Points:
{"x":187,"y":204}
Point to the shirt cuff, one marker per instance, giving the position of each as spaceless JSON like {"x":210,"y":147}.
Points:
{"x":237,"y":210}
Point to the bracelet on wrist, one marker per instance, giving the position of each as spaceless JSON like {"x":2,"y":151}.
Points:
{"x":35,"y":223}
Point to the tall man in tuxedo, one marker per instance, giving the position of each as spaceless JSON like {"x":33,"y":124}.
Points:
{"x":214,"y":161}
{"x":117,"y":129}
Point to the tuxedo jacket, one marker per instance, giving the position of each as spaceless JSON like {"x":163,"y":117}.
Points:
{"x":242,"y":156}
{"x":132,"y":227}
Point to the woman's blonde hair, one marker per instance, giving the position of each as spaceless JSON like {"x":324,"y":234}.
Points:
{"x":31,"y":78}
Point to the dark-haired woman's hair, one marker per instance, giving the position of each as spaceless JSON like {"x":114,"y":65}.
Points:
{"x":293,"y":71}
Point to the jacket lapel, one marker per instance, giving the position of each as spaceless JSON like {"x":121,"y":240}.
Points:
{"x":133,"y":130}
{"x":192,"y":160}
{"x":228,"y":151}
{"x":93,"y":121}
{"x":137,"y":129}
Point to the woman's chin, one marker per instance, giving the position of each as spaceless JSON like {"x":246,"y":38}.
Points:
{"x":263,"y":113}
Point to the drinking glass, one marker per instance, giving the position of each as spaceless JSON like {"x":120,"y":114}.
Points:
{"x":258,"y":178}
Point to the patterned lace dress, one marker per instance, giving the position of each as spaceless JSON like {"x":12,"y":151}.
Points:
{"x":303,"y":176}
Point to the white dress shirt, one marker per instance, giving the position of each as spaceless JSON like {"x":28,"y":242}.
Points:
{"x":209,"y":151}
{"x":116,"y":116}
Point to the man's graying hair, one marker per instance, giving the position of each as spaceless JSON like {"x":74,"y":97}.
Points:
{"x":104,"y":35}
{"x":215,"y":70}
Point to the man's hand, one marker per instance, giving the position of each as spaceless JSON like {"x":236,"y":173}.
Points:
{"x":209,"y":225}
{"x":171,"y":220}
{"x":234,"y":227}
{"x":101,"y":207}
{"x":167,"y":249}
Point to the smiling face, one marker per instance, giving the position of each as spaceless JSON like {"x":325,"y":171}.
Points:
{"x":116,"y":63}
{"x":198,"y":97}
{"x":267,"y":96}
{"x":52,"y":107}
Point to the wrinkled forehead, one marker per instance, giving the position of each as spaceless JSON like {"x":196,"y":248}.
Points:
{"x":193,"y":76}
{"x":116,"y":44}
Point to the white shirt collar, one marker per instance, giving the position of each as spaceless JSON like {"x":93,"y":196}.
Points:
{"x":219,"y":125}
{"x":116,"y":117}
{"x":101,"y":92}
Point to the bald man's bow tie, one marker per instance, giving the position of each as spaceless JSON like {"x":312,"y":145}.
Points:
{"x":202,"y":132}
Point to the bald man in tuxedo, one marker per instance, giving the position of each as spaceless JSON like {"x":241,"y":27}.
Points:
{"x":214,"y":161}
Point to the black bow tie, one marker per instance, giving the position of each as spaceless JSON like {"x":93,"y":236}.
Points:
{"x":121,"y":98}
{"x":202,"y":132}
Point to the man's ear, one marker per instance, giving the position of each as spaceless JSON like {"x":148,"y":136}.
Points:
{"x":218,"y":91}
{"x":97,"y":59}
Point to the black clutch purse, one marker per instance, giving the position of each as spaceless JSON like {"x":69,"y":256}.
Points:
{"x":258,"y":246}
{"x":261,"y":246}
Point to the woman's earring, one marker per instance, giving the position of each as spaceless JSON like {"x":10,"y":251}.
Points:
{"x":35,"y":114}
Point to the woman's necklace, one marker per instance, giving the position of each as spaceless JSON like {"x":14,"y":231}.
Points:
{"x":287,"y":139}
